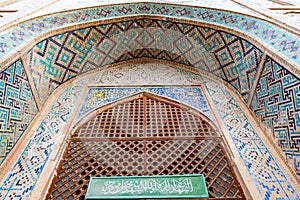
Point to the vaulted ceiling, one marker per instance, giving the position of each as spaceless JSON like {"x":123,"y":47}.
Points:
{"x":58,"y":58}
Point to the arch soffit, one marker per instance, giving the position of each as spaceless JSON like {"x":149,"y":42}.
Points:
{"x":198,"y":57}
{"x":57,"y":23}
{"x":228,"y":28}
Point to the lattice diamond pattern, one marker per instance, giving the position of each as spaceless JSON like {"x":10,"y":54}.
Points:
{"x":98,"y":149}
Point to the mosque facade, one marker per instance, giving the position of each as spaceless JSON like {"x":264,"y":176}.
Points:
{"x":150,"y":88}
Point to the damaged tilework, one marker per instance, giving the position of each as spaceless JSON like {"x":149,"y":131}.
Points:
{"x":266,"y":173}
{"x":59,"y":58}
{"x":17,"y":106}
{"x":191,"y":96}
{"x":277,"y":103}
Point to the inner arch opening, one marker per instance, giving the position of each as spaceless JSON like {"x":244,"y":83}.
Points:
{"x":145,"y":136}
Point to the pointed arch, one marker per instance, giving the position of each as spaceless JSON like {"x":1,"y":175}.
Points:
{"x":145,"y":135}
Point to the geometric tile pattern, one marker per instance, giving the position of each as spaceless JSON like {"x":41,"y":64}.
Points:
{"x":265,"y":172}
{"x":268,"y":34}
{"x":188,"y":95}
{"x":17,"y":106}
{"x":61,"y":57}
{"x":237,"y":59}
{"x":277,"y":103}
{"x":21,"y":180}
{"x":147,"y":74}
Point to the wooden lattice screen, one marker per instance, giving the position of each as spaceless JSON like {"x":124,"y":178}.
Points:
{"x":145,"y":137}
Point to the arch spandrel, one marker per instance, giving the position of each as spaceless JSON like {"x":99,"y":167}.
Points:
{"x":194,"y":101}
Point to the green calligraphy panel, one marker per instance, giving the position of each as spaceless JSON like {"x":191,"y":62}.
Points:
{"x":134,"y":187}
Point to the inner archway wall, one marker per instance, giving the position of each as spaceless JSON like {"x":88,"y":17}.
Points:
{"x":243,"y":135}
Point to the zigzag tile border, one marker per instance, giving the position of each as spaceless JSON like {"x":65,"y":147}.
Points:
{"x":22,"y":178}
{"x":223,"y":54}
{"x":265,"y":172}
{"x":271,"y":35}
{"x":271,"y":182}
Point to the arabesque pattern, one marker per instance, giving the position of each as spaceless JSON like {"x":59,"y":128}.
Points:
{"x":186,"y":95}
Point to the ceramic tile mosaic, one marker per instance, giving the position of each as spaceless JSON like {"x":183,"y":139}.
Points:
{"x":265,"y":172}
{"x":277,"y":103}
{"x":188,"y":95}
{"x":237,"y":59}
{"x":23,"y":177}
{"x":269,"y":34}
{"x":17,"y":106}
{"x":61,"y":57}
{"x":147,"y":74}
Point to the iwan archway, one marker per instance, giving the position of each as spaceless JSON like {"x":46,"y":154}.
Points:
{"x":171,"y":46}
